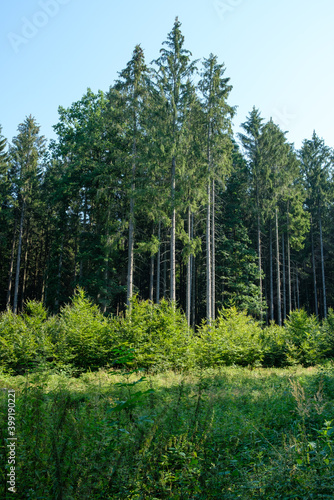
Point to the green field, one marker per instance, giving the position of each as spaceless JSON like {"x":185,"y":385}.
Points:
{"x":220,"y":433}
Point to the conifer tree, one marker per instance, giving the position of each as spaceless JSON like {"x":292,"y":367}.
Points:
{"x":132,"y":88}
{"x":174,"y":70}
{"x":250,"y":143}
{"x":316,"y":167}
{"x":26,"y":153}
{"x":218,"y":114}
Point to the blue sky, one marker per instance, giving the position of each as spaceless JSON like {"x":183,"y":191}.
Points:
{"x":278,"y":55}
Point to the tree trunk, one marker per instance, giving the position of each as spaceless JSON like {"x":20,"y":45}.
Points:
{"x":295,"y":290}
{"x":297,"y":287}
{"x":129,"y":288}
{"x":271,"y":274}
{"x":157,"y":296}
{"x":165,"y":272}
{"x":11,"y":268}
{"x":213,"y":250}
{"x":260,"y":264}
{"x":172,"y":239}
{"x":314,"y":274}
{"x":151,"y":278}
{"x":193,"y":274}
{"x":208,"y":260}
{"x":278,"y":279}
{"x":284,"y":278}
{"x":24,"y":279}
{"x":84,"y":230}
{"x":18,"y":260}
{"x":60,"y":265}
{"x":289,"y":264}
{"x":188,"y":291}
{"x":322,"y":266}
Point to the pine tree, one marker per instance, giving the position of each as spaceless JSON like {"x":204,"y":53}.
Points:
{"x":132,"y":88}
{"x":174,"y":70}
{"x":316,"y":166}
{"x":218,"y":114}
{"x":250,"y":143}
{"x":26,"y":153}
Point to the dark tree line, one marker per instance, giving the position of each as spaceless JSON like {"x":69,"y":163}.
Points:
{"x":146,"y":191}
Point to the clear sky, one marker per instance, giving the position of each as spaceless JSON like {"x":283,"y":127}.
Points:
{"x":278,"y":54}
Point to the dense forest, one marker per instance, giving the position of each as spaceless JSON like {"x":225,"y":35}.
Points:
{"x":147,"y":192}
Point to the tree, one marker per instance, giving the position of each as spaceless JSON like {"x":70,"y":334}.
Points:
{"x":132,"y":89}
{"x":172,"y":78}
{"x":316,"y":168}
{"x":250,"y":143}
{"x":218,"y":114}
{"x":26,"y":153}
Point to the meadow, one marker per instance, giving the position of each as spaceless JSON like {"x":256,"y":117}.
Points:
{"x":143,"y":407}
{"x":228,"y":432}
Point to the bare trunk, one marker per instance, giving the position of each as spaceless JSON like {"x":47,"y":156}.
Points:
{"x":188,"y":292}
{"x":314,"y":274}
{"x":322,"y":266}
{"x":11,"y":268}
{"x":297,"y":287}
{"x":158,"y":266}
{"x":18,"y":260}
{"x":278,"y":279}
{"x":24,"y":279}
{"x":213,"y":250}
{"x":60,"y":265}
{"x":295,"y":291}
{"x":284,"y":277}
{"x":151,"y":278}
{"x":130,"y":256}
{"x":289,"y":264}
{"x":259,"y":250}
{"x":193,"y":274}
{"x":208,"y":260}
{"x":172,"y":239}
{"x":271,"y":274}
{"x":129,"y":288}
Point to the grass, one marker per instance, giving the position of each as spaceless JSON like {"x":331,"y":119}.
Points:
{"x":228,"y":433}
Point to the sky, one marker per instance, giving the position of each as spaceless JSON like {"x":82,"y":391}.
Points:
{"x":278,"y":55}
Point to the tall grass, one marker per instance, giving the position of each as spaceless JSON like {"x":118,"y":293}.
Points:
{"x":208,"y":434}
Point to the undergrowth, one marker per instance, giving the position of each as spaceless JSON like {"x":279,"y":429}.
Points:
{"x":229,"y":433}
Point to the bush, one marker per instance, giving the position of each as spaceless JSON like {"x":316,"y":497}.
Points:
{"x":234,"y":338}
{"x":158,"y":334}
{"x":328,"y":334}
{"x":82,"y":335}
{"x":275,"y":348}
{"x":24,"y":339}
{"x":305,"y":338}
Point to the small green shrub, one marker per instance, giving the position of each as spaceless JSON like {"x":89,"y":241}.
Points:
{"x":275,"y":347}
{"x":82,"y":335}
{"x":158,"y":334}
{"x":305,"y":339}
{"x":328,"y":334}
{"x":24,"y":339}
{"x":234,"y":338}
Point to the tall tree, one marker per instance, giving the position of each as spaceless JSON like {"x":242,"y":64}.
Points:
{"x":132,"y":88}
{"x":215,"y":90}
{"x":250,"y":142}
{"x":174,"y":69}
{"x":316,"y":166}
{"x":26,"y":153}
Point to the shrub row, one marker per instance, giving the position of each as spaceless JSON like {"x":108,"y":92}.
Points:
{"x":158,"y":336}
